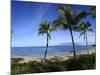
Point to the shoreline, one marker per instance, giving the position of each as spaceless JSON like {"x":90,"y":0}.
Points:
{"x":65,"y":56}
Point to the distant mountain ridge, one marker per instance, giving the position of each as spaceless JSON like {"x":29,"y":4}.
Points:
{"x":66,"y":44}
{"x":76,"y":44}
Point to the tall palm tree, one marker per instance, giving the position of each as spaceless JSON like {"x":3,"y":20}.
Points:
{"x":93,"y":11}
{"x":45,"y":28}
{"x":84,"y":28}
{"x":11,"y":34}
{"x":67,"y":20}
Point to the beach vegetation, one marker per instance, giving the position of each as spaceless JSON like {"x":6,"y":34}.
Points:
{"x":83,"y":62}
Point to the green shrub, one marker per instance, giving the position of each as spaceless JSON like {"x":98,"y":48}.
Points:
{"x":82,"y":62}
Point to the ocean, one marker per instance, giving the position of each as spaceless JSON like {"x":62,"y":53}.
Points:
{"x":52,"y":50}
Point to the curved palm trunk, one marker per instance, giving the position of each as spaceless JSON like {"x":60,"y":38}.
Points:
{"x":45,"y":54}
{"x":86,"y":43}
{"x":11,"y":37}
{"x":74,"y":52}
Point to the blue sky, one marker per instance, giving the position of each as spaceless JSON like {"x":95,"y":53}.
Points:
{"x":26,"y":17}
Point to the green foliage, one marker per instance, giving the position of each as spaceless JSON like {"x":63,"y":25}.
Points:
{"x":83,"y":62}
{"x":45,"y":28}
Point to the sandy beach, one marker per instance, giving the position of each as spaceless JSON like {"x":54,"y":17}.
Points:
{"x":26,"y":59}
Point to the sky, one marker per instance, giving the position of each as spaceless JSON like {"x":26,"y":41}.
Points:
{"x":27,"y":16}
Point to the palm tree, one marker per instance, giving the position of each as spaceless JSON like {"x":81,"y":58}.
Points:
{"x":67,"y":20}
{"x":84,"y":28}
{"x":45,"y":28}
{"x":11,"y":34}
{"x":93,"y":11}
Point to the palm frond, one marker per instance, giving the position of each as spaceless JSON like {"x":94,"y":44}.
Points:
{"x":62,"y":12}
{"x":57,"y":24}
{"x":90,"y":30}
{"x":76,"y":29}
{"x":40,"y":33}
{"x":88,"y":25}
{"x":80,"y":16}
{"x":69,"y":15}
{"x":82,"y":33}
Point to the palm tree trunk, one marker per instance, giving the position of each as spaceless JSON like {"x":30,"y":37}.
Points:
{"x":74,"y":52}
{"x":11,"y":37}
{"x":87,"y":43}
{"x":45,"y":54}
